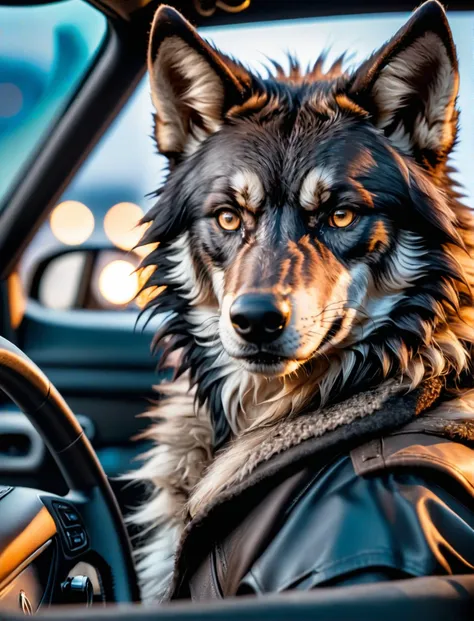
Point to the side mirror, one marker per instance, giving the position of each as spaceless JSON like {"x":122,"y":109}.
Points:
{"x":87,"y":278}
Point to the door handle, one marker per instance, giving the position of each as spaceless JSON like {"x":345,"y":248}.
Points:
{"x":21,"y":446}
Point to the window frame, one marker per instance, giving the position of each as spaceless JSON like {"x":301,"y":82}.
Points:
{"x":115,"y":72}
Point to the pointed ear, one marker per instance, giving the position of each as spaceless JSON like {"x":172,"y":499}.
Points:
{"x":410,"y":87}
{"x":192,"y":85}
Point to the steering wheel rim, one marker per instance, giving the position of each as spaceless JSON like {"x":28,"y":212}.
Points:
{"x":35,"y":395}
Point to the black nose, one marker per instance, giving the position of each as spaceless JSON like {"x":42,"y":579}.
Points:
{"x":259,"y":318}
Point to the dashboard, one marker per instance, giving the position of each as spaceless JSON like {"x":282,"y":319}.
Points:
{"x":45,"y":556}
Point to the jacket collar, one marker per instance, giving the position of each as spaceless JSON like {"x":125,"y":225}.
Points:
{"x":382,"y":408}
{"x":279,"y":450}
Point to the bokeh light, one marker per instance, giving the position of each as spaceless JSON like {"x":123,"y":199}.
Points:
{"x":72,"y":223}
{"x":118,"y":282}
{"x":122,"y":228}
{"x":143,"y":251}
{"x":121,"y":225}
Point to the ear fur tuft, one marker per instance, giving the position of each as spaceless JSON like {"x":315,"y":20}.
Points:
{"x":410,"y":86}
{"x":192,"y":85}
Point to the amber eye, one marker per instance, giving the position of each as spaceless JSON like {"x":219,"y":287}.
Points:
{"x":342,"y":218}
{"x":228,"y":220}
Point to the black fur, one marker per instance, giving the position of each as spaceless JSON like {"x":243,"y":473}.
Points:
{"x":282,"y":128}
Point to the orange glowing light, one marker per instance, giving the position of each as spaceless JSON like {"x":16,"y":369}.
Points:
{"x":72,"y":223}
{"x":121,"y":225}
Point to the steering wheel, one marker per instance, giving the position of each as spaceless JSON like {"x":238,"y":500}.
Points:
{"x":86,"y":525}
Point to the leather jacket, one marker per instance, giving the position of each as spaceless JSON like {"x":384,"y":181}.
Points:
{"x":396,"y":505}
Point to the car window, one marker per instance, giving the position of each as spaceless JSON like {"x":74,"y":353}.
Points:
{"x":113,"y":187}
{"x":45,"y":52}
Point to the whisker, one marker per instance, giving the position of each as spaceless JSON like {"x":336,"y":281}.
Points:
{"x":331,"y":313}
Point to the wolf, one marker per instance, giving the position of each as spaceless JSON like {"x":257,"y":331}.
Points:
{"x":310,"y":246}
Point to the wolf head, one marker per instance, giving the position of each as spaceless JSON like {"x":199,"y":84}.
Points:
{"x":310,"y":241}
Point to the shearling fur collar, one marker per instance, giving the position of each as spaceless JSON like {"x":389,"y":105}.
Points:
{"x":249,"y":451}
{"x":256,"y":457}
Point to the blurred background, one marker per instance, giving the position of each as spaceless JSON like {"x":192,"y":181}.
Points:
{"x":82,"y":256}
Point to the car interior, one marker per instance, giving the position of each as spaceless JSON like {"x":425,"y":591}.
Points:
{"x":76,"y":364}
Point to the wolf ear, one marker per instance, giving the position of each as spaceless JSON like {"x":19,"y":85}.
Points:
{"x":192,"y":85}
{"x":410,"y":86}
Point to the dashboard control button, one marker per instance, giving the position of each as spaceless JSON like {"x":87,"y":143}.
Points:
{"x":78,"y":590}
{"x":70,"y":517}
{"x":76,"y":538}
{"x":67,"y":515}
{"x":72,"y":530}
